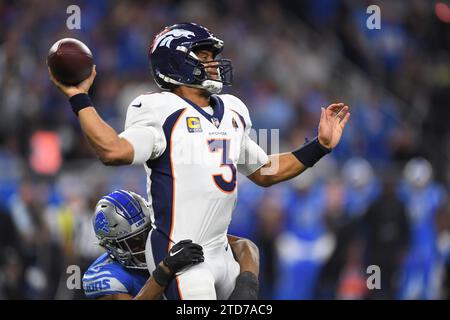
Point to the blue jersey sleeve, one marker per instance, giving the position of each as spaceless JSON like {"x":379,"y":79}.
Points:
{"x":106,"y":277}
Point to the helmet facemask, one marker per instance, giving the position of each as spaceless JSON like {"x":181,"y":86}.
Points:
{"x":202,"y":78}
{"x":130,"y":250}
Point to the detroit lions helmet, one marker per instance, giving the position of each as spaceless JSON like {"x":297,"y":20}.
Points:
{"x":122,"y":223}
{"x":174,"y":62}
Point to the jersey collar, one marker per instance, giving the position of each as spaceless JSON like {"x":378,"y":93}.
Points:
{"x":217,"y":104}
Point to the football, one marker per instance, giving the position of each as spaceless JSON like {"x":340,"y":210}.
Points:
{"x":70,"y":61}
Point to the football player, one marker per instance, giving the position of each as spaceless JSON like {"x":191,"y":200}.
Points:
{"x":122,"y":223}
{"x":192,"y":141}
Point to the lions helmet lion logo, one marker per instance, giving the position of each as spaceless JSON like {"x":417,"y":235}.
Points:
{"x":101,"y":223}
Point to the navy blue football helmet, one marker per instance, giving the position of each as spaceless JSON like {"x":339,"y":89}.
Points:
{"x":174,"y":62}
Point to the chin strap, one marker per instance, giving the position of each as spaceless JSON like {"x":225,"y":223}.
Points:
{"x":212,"y":86}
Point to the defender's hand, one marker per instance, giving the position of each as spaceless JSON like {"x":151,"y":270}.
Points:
{"x":82,"y":87}
{"x":332,"y":122}
{"x":184,"y":254}
{"x":246,"y":287}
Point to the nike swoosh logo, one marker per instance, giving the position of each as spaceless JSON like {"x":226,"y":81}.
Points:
{"x":174,"y":253}
{"x":137,"y":105}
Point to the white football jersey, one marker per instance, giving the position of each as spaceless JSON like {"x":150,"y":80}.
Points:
{"x":191,"y":159}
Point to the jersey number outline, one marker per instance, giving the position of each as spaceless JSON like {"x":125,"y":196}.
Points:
{"x":224,"y":185}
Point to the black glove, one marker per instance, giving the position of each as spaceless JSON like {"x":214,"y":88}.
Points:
{"x":246,"y":287}
{"x":182,"y":255}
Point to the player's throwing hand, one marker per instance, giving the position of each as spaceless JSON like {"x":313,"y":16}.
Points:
{"x":82,"y":87}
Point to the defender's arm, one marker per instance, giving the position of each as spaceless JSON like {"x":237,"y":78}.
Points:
{"x":152,"y":290}
{"x":247,"y":255}
{"x":118,"y":296}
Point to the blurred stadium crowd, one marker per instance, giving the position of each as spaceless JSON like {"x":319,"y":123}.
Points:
{"x":381,"y":197}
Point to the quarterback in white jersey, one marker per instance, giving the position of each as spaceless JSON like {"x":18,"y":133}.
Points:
{"x":192,"y":176}
{"x":192,"y":141}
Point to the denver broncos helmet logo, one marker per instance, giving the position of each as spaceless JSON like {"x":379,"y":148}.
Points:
{"x":166,"y":36}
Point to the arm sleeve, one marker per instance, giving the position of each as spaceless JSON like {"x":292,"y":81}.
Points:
{"x":106,"y":282}
{"x":143,"y":129}
{"x":251,"y":156}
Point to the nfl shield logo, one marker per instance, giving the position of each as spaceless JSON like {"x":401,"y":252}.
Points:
{"x":215,"y":121}
{"x":235,"y":125}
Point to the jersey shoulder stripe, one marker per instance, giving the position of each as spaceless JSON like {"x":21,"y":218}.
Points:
{"x":106,"y":276}
{"x":103,"y":286}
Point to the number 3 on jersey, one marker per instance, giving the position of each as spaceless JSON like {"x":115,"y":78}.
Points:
{"x":216,"y":145}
